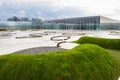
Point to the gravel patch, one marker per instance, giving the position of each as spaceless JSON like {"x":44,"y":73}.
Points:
{"x":38,"y":50}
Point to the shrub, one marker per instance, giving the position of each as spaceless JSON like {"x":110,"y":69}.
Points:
{"x":103,"y":42}
{"x":84,"y":62}
{"x":3,"y":29}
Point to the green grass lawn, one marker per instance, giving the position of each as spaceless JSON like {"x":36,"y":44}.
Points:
{"x":84,"y":62}
{"x":106,"y":43}
{"x":114,"y":53}
{"x":111,"y":45}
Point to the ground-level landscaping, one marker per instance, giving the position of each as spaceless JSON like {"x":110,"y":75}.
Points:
{"x":103,"y":42}
{"x":114,"y":53}
{"x":112,"y":45}
{"x":84,"y":62}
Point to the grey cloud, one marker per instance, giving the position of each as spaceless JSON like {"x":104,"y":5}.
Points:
{"x":40,"y":10}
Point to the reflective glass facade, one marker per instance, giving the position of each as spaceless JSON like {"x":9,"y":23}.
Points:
{"x":84,"y":23}
{"x":110,"y":26}
{"x":80,"y":23}
{"x":15,"y":24}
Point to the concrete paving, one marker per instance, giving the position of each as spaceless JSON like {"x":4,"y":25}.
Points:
{"x":11,"y":44}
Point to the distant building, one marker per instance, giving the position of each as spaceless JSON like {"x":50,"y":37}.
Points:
{"x":24,"y":19}
{"x":15,"y":24}
{"x":87,"y":23}
{"x":78,"y":23}
{"x":36,"y":23}
{"x":14,"y":18}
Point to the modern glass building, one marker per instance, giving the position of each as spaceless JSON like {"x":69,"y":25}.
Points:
{"x":15,"y":24}
{"x":79,"y":23}
{"x":87,"y":23}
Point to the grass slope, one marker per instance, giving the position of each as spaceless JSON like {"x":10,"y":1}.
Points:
{"x":103,"y":42}
{"x":84,"y":62}
{"x":116,"y":54}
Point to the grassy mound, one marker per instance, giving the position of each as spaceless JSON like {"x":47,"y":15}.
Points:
{"x":103,"y":42}
{"x":84,"y":62}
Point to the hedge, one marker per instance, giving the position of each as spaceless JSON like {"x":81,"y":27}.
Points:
{"x":3,"y":29}
{"x":84,"y":62}
{"x":103,"y":42}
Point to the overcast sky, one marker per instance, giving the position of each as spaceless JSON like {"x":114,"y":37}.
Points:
{"x":52,"y":9}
